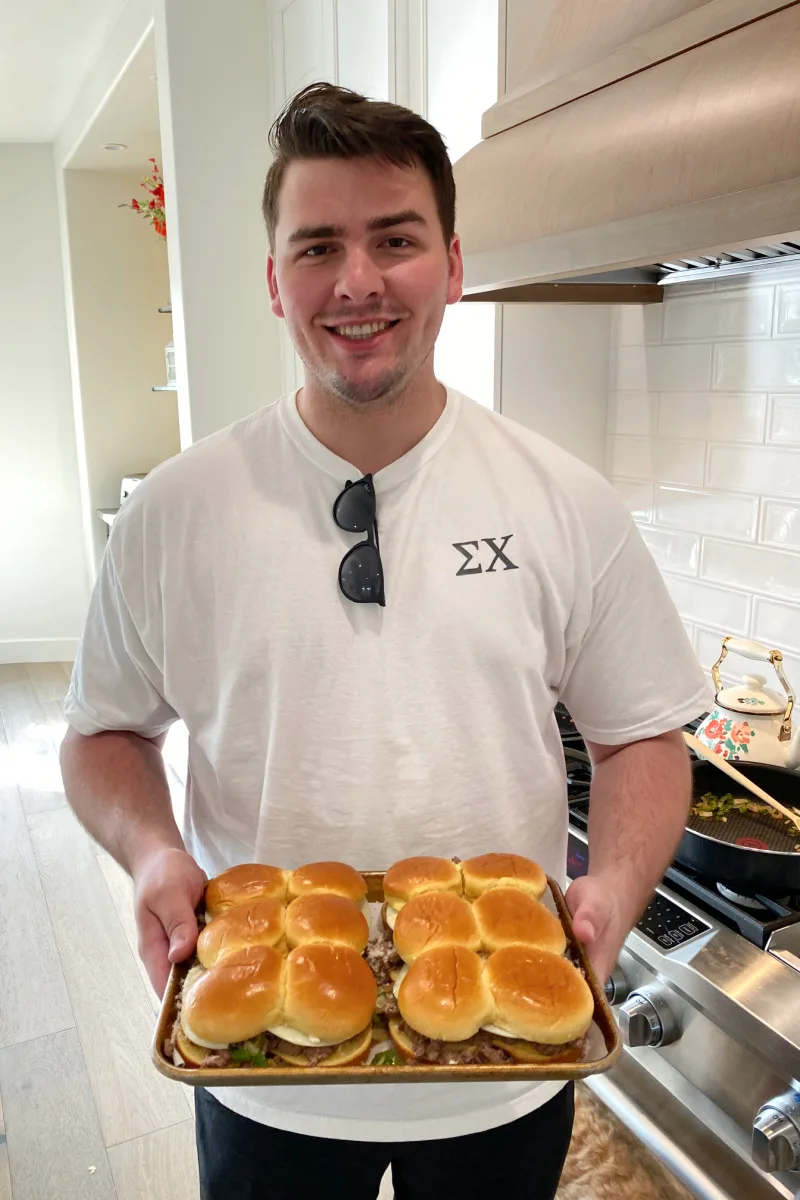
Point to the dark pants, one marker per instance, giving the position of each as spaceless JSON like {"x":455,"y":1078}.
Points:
{"x":242,"y":1159}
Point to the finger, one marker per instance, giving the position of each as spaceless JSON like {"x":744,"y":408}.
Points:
{"x":182,"y":940}
{"x":153,"y":948}
{"x":584,"y":926}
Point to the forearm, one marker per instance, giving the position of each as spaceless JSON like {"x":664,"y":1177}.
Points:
{"x":116,"y":785}
{"x":637,"y":813}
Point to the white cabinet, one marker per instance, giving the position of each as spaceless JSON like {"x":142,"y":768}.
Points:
{"x":344,"y":41}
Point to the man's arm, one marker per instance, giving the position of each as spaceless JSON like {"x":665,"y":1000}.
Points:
{"x":116,"y":785}
{"x":638,"y":808}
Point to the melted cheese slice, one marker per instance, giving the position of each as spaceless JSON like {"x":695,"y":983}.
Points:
{"x":391,"y":916}
{"x":401,"y":974}
{"x":290,"y":1034}
{"x":498,"y":1029}
{"x":198,"y":1041}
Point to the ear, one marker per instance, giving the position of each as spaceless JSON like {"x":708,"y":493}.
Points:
{"x":455,"y":281}
{"x":272,"y":284}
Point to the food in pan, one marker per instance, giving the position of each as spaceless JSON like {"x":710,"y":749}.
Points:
{"x":502,"y":870}
{"x":720,"y":808}
{"x":519,"y":1005}
{"x":466,"y":966}
{"x":243,"y":883}
{"x":507,"y":916}
{"x":259,"y":923}
{"x":432,"y":920}
{"x":412,"y":877}
{"x":314,"y":1005}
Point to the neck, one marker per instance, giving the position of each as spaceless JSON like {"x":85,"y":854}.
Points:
{"x":378,"y":434}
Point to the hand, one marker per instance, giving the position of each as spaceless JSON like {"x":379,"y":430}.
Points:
{"x":168,"y":886}
{"x":597,"y":921}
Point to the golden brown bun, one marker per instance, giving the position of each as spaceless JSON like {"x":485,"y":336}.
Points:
{"x":434,"y":919}
{"x":507,"y":916}
{"x":444,"y":995}
{"x":538,"y":996}
{"x":349,"y":1054}
{"x":413,"y":876}
{"x":192,"y":1054}
{"x":240,"y":885}
{"x":236,"y":1000}
{"x":512,"y":870}
{"x":527,"y":1053}
{"x":259,"y":923}
{"x":335,"y":877}
{"x":330,"y":992}
{"x":326,"y":918}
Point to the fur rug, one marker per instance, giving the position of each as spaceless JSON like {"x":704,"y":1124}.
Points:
{"x":606,"y":1162}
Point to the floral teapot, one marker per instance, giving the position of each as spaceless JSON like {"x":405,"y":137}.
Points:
{"x":748,"y":722}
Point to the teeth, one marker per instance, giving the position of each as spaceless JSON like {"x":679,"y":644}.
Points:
{"x":362,"y":331}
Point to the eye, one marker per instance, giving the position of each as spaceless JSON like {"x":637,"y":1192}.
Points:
{"x":318,"y":251}
{"x":398,"y":242}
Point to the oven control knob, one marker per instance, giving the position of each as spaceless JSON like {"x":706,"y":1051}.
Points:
{"x":617,"y":987}
{"x":645,"y":1019}
{"x":776,"y":1134}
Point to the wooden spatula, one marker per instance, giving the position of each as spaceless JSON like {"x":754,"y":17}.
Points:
{"x":708,"y":754}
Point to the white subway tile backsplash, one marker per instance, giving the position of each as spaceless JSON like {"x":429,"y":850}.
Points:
{"x":751,"y":567}
{"x":787,"y":313}
{"x":636,"y":324}
{"x":658,"y":459}
{"x":678,"y":552}
{"x":706,"y":512}
{"x":758,"y":469}
{"x":784,"y":421}
{"x":780,"y":525}
{"x":714,"y":416}
{"x":730,"y":314}
{"x":776,"y":624}
{"x":699,"y":602}
{"x":753,"y":366}
{"x":707,"y":645}
{"x":637,"y":497}
{"x":633,"y":413}
{"x":684,"y":368}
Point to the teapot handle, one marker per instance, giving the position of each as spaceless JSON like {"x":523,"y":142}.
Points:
{"x":759,"y":653}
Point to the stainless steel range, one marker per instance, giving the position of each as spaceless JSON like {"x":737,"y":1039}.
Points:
{"x":707,"y":994}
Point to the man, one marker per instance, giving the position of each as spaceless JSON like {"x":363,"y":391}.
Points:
{"x":380,"y":684}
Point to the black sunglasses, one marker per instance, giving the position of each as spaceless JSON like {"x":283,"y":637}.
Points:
{"x":361,"y":569}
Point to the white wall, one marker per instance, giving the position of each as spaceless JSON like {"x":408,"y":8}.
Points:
{"x":554,"y":365}
{"x":119,"y":279}
{"x":44,"y":581}
{"x":216,"y":103}
{"x":704,"y":443}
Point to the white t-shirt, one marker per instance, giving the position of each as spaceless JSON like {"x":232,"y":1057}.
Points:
{"x":323,"y":729}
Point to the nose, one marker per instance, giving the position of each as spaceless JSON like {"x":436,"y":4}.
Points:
{"x":359,"y":278}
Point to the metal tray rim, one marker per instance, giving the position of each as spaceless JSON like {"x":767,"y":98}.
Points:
{"x":424,"y":1073}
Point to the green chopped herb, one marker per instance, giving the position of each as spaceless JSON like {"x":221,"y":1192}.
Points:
{"x":389,"y":1058}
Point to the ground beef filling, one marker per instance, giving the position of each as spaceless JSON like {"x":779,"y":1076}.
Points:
{"x":268,"y":1043}
{"x":478,"y":1049}
{"x":382,"y":957}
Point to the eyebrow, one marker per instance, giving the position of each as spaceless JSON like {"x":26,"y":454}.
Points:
{"x":311,"y":233}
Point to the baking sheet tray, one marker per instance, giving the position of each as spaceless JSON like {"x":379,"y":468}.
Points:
{"x":603,"y":1043}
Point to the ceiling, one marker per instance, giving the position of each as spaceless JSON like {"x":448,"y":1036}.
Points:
{"x":46,"y":49}
{"x":130,"y":117}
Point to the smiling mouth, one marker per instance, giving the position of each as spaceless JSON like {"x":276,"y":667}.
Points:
{"x":361,"y":331}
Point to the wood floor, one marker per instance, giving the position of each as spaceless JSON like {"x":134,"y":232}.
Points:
{"x":84,"y":1115}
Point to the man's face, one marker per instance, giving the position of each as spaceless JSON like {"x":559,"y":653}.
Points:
{"x":361,"y":273}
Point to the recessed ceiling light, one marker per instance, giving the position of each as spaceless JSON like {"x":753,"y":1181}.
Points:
{"x":114,"y":146}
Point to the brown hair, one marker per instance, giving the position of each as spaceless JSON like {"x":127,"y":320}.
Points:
{"x":325,"y":121}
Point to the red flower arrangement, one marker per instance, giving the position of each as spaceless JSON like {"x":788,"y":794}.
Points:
{"x":153,"y":209}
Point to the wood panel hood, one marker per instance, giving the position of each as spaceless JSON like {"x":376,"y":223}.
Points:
{"x":582,"y":175}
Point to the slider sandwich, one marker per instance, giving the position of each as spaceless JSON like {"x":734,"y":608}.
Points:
{"x":312,"y":1008}
{"x":242,"y":884}
{"x":521,"y":1004}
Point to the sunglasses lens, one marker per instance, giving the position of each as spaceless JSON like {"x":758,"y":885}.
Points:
{"x":355,"y":509}
{"x":360,"y":575}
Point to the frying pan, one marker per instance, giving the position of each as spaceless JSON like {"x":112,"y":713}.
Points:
{"x":750,"y":852}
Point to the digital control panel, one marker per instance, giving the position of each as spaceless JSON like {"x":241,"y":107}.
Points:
{"x":663,"y":921}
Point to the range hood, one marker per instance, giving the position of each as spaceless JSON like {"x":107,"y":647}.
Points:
{"x":645,"y":143}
